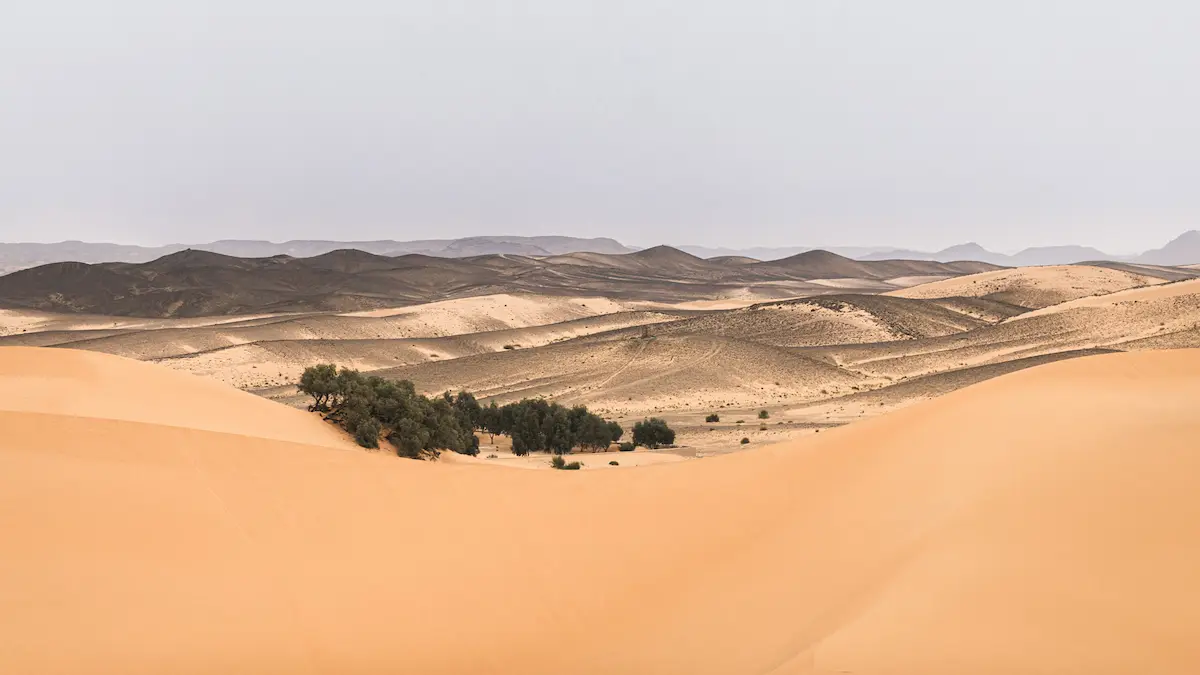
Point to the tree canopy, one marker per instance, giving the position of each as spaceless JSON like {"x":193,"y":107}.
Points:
{"x":369,"y":407}
{"x":653,"y":433}
{"x":537,"y":425}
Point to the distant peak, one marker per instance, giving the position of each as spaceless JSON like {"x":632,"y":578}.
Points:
{"x":818,"y":254}
{"x":196,"y":256}
{"x":1187,"y":236}
{"x":662,"y":251}
{"x":969,"y":246}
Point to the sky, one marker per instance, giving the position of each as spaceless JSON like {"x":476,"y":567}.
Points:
{"x":921,"y":123}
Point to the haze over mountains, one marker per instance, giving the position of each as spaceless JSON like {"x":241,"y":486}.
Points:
{"x":1182,"y":250}
{"x":20,"y":255}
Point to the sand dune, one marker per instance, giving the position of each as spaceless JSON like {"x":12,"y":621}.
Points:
{"x":1045,"y":521}
{"x":1168,"y":313}
{"x":632,"y":376}
{"x":830,"y":319}
{"x":267,"y":363}
{"x":87,"y":385}
{"x":1032,"y":287}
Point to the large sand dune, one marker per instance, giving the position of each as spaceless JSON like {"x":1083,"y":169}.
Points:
{"x":1046,"y":521}
{"x":1033,"y":287}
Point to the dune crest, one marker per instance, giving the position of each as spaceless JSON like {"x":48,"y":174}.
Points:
{"x":1043,"y":521}
{"x":80,"y":384}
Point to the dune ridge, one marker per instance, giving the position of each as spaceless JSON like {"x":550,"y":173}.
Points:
{"x":1042,"y":521}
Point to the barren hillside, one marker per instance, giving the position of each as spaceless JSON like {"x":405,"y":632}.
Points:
{"x":194,"y":283}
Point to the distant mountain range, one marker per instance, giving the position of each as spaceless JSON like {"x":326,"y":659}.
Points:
{"x":202,"y":283}
{"x":21,"y":255}
{"x":1044,"y":255}
{"x":776,"y":253}
{"x":1182,"y":250}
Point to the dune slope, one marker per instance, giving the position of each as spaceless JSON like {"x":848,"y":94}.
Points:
{"x":1032,"y":287}
{"x":1044,"y":521}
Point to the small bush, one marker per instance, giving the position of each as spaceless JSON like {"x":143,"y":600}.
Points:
{"x":366,"y":432}
{"x":763,"y":414}
{"x":745,"y":440}
{"x":713,"y":418}
{"x":614,"y":463}
{"x":627,"y":446}
{"x":510,"y":347}
{"x":762,"y":427}
{"x":561,"y":464}
{"x":740,"y":422}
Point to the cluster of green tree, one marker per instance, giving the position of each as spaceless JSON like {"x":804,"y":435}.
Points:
{"x":369,"y":407}
{"x":537,"y":425}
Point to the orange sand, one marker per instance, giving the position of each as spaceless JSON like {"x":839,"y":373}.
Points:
{"x":1047,"y":521}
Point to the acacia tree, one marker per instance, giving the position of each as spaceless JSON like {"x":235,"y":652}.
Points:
{"x":320,"y":382}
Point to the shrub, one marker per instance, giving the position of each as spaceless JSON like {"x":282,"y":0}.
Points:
{"x":510,"y":347}
{"x":561,"y":464}
{"x":763,"y":414}
{"x":366,"y":432}
{"x":627,"y":446}
{"x":762,"y":427}
{"x":653,"y":433}
{"x":745,"y":440}
{"x":713,"y":418}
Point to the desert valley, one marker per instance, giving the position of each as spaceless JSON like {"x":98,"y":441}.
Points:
{"x":1006,"y":482}
{"x":816,"y":340}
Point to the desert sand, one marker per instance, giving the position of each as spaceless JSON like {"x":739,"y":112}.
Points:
{"x":1033,"y":287}
{"x":1044,"y":521}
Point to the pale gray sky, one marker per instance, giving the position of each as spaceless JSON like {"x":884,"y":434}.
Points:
{"x":920,"y":123}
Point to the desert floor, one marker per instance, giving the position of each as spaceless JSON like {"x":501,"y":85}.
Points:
{"x":813,"y":363}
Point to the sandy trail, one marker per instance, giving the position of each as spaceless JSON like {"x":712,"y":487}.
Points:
{"x":1043,"y":521}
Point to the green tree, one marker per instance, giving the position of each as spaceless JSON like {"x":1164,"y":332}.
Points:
{"x":615,"y":432}
{"x":321,"y":383}
{"x":653,"y":433}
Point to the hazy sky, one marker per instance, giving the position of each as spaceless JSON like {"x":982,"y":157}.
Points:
{"x":798,"y":122}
